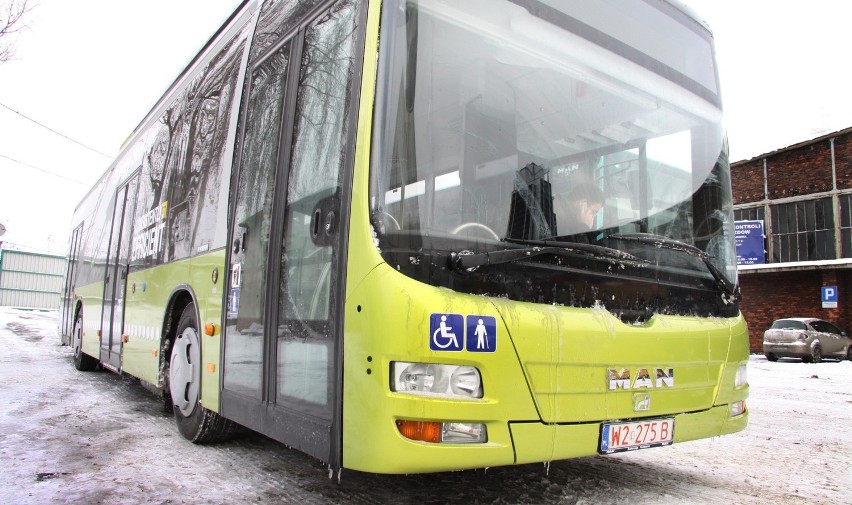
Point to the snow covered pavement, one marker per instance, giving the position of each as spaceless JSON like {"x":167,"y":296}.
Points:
{"x":73,"y":437}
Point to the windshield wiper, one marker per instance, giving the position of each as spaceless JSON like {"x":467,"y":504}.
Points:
{"x":722,"y":281}
{"x":462,"y":261}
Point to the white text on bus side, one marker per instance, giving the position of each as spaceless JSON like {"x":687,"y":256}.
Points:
{"x":147,"y":242}
{"x":148,"y":239}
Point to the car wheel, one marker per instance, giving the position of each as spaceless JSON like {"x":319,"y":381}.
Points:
{"x":816,"y":356}
{"x":194,"y":422}
{"x":771,"y":357}
{"x":849,"y":353}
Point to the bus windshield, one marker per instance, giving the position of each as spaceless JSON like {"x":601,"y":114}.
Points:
{"x":509,"y":124}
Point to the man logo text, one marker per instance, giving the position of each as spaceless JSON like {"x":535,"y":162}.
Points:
{"x":645,"y":378}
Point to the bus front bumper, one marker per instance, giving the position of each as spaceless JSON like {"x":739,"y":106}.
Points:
{"x":536,"y":442}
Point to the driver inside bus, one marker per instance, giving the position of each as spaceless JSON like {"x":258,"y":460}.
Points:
{"x":577,"y":208}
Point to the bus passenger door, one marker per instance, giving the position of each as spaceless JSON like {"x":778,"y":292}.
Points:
{"x":245,"y":345}
{"x":282,"y":366}
{"x":115,"y":280}
{"x":70,"y":285}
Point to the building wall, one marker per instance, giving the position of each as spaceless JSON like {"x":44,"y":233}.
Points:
{"x":843,"y":160}
{"x":799,"y":170}
{"x":747,"y":181}
{"x":31,"y":280}
{"x":770,"y":296}
{"x":813,"y":170}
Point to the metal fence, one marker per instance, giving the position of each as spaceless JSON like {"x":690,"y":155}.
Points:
{"x":31,"y":280}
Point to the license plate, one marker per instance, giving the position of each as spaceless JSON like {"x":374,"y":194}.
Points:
{"x":618,"y":437}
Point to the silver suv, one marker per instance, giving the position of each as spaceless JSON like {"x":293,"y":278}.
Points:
{"x":807,"y":338}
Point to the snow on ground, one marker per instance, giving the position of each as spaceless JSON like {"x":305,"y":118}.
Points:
{"x":72,"y":437}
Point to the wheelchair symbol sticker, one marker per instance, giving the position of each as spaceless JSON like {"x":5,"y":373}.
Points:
{"x":446,"y":332}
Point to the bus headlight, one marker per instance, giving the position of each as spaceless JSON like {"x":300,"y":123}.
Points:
{"x":436,"y":379}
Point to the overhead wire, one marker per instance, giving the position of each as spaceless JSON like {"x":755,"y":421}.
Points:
{"x":43,"y":170}
{"x":56,"y":132}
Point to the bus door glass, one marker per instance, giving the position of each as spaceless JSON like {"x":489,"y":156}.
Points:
{"x":283,"y":309}
{"x":70,"y":284}
{"x":115,"y":282}
{"x":244,"y":341}
{"x":307,"y":305}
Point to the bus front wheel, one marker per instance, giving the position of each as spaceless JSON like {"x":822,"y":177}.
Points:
{"x":195,"y":423}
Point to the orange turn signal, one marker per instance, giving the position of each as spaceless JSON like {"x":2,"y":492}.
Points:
{"x":210,"y":329}
{"x":418,"y":430}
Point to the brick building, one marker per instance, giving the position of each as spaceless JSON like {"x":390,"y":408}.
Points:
{"x":802,"y":195}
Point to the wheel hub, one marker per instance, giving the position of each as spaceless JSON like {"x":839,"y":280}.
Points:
{"x":77,"y":344}
{"x":185,"y":371}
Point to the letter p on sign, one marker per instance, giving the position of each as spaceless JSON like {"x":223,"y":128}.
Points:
{"x":829,"y":297}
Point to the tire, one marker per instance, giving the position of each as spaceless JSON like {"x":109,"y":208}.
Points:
{"x":82,"y":361}
{"x":196,"y":423}
{"x":816,"y":355}
{"x":849,"y":353}
{"x":771,"y":357}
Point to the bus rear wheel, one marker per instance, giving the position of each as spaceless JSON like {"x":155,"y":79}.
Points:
{"x":195,"y":423}
{"x":82,"y":361}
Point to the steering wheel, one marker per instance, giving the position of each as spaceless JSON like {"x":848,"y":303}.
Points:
{"x":388,"y":217}
{"x":458,"y":229}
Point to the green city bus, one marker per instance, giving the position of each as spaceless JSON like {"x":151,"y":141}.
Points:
{"x":424,"y":235}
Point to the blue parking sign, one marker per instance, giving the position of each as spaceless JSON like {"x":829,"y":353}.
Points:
{"x":829,"y":297}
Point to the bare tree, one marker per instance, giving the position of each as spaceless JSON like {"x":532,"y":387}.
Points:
{"x":12,"y":13}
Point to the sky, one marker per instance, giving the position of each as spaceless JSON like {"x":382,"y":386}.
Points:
{"x":91,"y":69}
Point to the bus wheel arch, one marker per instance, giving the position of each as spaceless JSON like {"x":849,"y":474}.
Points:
{"x":181,"y":372}
{"x":184,"y":377}
{"x":82,"y":361}
{"x":177,"y":304}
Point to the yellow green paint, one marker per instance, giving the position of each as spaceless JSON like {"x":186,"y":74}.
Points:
{"x":546,"y":386}
{"x":550,"y":362}
{"x":147,"y":297}
{"x":91,"y":297}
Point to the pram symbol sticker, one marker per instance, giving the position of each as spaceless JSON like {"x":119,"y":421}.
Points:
{"x":446,"y":332}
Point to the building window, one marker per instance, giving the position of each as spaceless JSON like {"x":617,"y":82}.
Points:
{"x":803,"y":231}
{"x":752,"y":214}
{"x":846,"y":226}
